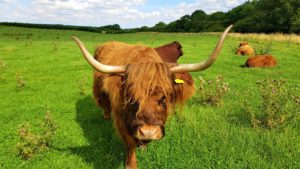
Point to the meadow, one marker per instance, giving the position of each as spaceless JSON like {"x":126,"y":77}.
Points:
{"x":44,"y":71}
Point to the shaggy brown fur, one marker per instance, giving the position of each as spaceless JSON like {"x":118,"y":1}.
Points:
{"x":245,"y":49}
{"x":145,"y":94}
{"x":145,"y":80}
{"x":261,"y":61}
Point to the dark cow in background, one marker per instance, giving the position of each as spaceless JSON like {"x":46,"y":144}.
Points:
{"x":136,"y":87}
{"x":261,"y":61}
{"x":170,"y":53}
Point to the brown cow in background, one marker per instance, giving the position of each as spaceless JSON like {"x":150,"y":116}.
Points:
{"x":171,"y":53}
{"x":136,"y":87}
{"x":245,"y":49}
{"x":261,"y":61}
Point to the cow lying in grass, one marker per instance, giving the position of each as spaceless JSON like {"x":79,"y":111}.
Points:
{"x":245,"y":49}
{"x":261,"y":61}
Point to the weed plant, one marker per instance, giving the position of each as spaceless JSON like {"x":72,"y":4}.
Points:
{"x":212,"y":92}
{"x":55,"y":47}
{"x":28,"y":43}
{"x":82,"y":84}
{"x":2,"y":65}
{"x":277,"y":106}
{"x":20,"y":81}
{"x":263,"y":49}
{"x":2,"y":68}
{"x":30,"y":143}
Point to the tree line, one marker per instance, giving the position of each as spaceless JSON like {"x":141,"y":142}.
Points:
{"x":115,"y":28}
{"x":251,"y":17}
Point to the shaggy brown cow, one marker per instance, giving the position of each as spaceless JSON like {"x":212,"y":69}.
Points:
{"x":132,"y":83}
{"x":245,"y":49}
{"x":170,"y":53}
{"x":261,"y":61}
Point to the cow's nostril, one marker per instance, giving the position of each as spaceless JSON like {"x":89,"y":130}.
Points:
{"x":140,"y":131}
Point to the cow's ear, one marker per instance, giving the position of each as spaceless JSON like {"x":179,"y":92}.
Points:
{"x":177,"y":44}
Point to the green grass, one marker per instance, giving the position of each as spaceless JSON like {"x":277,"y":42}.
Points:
{"x":198,"y":137}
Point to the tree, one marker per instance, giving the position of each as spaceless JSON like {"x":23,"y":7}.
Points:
{"x":160,"y":27}
{"x":142,"y":29}
{"x":241,"y":12}
{"x":184,"y":24}
{"x":253,"y":16}
{"x":276,"y":16}
{"x":198,"y":20}
{"x":214,"y":22}
{"x":296,"y":22}
{"x":110,"y":28}
{"x":171,"y":27}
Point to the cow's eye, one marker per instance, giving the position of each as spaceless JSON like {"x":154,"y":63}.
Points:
{"x":162,"y":101}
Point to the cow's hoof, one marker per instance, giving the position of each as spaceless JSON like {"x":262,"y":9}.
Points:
{"x":130,"y":167}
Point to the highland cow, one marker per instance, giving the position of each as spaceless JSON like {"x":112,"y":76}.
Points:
{"x":135,"y":87}
{"x":245,"y":49}
{"x":261,"y":61}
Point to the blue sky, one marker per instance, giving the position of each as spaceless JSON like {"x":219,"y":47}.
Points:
{"x":126,"y":13}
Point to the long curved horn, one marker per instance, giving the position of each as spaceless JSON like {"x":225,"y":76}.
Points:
{"x":205,"y":64}
{"x":94,"y":63}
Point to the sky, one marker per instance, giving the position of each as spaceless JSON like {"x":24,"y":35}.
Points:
{"x":126,"y":13}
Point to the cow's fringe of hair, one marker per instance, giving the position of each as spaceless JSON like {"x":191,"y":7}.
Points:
{"x":146,"y":79}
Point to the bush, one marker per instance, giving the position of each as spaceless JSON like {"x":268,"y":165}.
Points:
{"x":263,"y":49}
{"x":212,"y":92}
{"x":31,"y":143}
{"x":2,"y":68}
{"x":2,"y":65}
{"x":277,"y":105}
{"x":20,"y":81}
{"x":82,"y":85}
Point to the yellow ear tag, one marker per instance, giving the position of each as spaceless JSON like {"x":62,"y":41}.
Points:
{"x":179,"y":81}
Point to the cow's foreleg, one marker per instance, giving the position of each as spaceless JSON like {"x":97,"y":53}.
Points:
{"x":130,"y":144}
{"x":131,"y":158}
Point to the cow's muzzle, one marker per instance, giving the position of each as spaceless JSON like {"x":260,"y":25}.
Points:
{"x":149,"y":132}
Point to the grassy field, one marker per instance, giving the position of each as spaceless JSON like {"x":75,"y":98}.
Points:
{"x":54,"y":74}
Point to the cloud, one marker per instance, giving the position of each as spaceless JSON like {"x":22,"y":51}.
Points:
{"x":5,"y":1}
{"x":127,"y":13}
{"x":171,"y":12}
